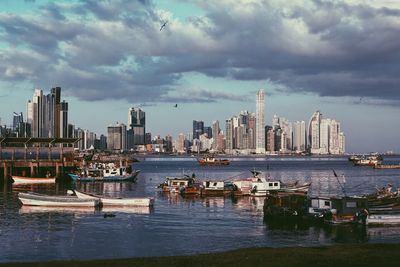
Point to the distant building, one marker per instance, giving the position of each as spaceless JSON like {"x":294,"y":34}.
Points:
{"x":198,"y":129}
{"x":314,"y":132}
{"x":229,"y":135}
{"x":147,"y":138}
{"x":208,"y":131}
{"x":180,"y":144}
{"x":137,"y":122}
{"x":260,"y":123}
{"x":116,"y":137}
{"x":299,"y":136}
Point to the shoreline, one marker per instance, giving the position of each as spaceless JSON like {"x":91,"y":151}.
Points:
{"x":336,"y":255}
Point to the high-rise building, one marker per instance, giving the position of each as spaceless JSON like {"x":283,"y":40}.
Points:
{"x":180,"y":144}
{"x":229,"y":134}
{"x":198,"y":129}
{"x":324,"y":136}
{"x":17,"y":119}
{"x":334,"y":137}
{"x":137,"y":122}
{"x":62,"y":120}
{"x":116,"y":137}
{"x":299,"y":136}
{"x":314,"y":132}
{"x":46,"y":114}
{"x":208,"y":131}
{"x":260,"y":123}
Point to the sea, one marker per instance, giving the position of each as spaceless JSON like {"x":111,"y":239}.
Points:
{"x":179,"y":225}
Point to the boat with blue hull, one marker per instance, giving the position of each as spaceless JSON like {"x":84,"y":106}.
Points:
{"x":105,"y":173}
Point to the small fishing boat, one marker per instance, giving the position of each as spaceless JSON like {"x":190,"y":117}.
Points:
{"x":21,"y":180}
{"x":35,"y":199}
{"x":338,"y":210}
{"x":105,"y":173}
{"x":285,"y":206}
{"x":216,"y":188}
{"x":109,"y":201}
{"x":176,"y":184}
{"x":210,"y":160}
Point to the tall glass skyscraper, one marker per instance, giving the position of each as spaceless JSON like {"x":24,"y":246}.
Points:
{"x":260,"y":123}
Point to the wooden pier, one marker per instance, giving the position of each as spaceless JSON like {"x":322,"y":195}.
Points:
{"x":36,"y":157}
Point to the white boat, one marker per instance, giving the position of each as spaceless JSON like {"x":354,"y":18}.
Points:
{"x":216,"y":188}
{"x":109,"y":201}
{"x":261,"y":186}
{"x":383,"y":219}
{"x":176,"y":184}
{"x":34,"y":199}
{"x":20,"y":180}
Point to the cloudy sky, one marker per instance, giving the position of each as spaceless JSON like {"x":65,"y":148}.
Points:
{"x":339,"y":57}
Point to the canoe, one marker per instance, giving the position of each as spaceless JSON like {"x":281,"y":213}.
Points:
{"x":34,"y":199}
{"x":108,"y":201}
{"x":18,"y":180}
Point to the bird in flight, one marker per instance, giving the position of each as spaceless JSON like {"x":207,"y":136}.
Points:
{"x":176,"y":105}
{"x":163,"y":26}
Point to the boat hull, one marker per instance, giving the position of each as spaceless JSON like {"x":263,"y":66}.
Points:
{"x":20,"y":180}
{"x":383,"y":219}
{"x":118,"y":178}
{"x":107,"y":201}
{"x":31,"y":199}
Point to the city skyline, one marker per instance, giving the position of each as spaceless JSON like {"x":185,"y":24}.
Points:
{"x":210,"y":59}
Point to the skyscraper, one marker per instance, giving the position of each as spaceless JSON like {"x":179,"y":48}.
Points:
{"x":17,"y":119}
{"x":137,"y":122}
{"x":116,"y":137}
{"x":62,"y":122}
{"x":229,"y":134}
{"x":299,"y":136}
{"x":198,"y":129}
{"x":314,"y":132}
{"x":260,"y":123}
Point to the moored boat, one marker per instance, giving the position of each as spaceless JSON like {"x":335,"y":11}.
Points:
{"x":21,"y":180}
{"x":383,"y":219}
{"x":109,"y":201}
{"x":210,"y":160}
{"x":105,"y":173}
{"x":386,"y":166}
{"x":216,"y":188}
{"x":176,"y":184}
{"x":35,"y":199}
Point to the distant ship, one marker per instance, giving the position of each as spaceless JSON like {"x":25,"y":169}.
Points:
{"x":210,"y":160}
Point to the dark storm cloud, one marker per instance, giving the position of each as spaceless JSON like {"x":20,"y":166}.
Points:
{"x":330,"y":48}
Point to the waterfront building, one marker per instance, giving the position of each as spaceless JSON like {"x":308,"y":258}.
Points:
{"x":205,"y":142}
{"x":17,"y":119}
{"x":229,"y":135}
{"x":102,"y":142}
{"x":324,"y":136}
{"x":137,"y":122}
{"x":148,"y":138}
{"x":116,"y":137}
{"x":208,"y":131}
{"x":299,"y":136}
{"x":220,"y":142}
{"x":198,"y":129}
{"x":260,"y":123}
{"x":342,"y":143}
{"x":251,"y":131}
{"x":168,"y":144}
{"x":180,"y":144}
{"x":215,"y":130}
{"x":46,"y":114}
{"x":334,"y":140}
{"x":314,"y":132}
{"x":270,"y":138}
{"x":63,"y":120}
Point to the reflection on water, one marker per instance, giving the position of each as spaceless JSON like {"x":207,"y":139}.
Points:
{"x":182,"y":225}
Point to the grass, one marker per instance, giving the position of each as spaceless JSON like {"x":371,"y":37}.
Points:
{"x":339,"y":255}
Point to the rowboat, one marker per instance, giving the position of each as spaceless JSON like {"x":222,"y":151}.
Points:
{"x":35,"y":199}
{"x":19,"y":180}
{"x":108,"y":201}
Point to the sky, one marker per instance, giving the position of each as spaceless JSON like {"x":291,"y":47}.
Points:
{"x":341,"y":57}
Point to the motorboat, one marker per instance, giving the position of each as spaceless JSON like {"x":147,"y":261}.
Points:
{"x":105,"y":173}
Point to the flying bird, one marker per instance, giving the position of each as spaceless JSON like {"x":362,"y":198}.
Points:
{"x":176,"y":105}
{"x":163,"y":26}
